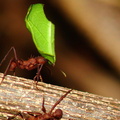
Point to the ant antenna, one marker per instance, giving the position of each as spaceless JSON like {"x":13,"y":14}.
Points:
{"x":61,"y":98}
{"x":48,"y":68}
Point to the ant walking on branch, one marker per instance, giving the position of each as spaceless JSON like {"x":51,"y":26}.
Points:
{"x":30,"y":64}
{"x":57,"y":115}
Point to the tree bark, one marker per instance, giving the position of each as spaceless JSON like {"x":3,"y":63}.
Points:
{"x":19,"y":94}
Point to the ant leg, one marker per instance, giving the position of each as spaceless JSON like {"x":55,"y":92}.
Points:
{"x":15,"y":55}
{"x":43,"y":106}
{"x":5,"y":73}
{"x":32,"y":113}
{"x":38,"y":76}
{"x":20,"y":114}
{"x":38,"y":72}
{"x":61,"y":98}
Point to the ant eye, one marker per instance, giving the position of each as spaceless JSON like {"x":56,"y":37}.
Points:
{"x":58,"y":113}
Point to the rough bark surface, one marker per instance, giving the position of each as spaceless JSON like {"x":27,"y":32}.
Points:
{"x":18,"y":94}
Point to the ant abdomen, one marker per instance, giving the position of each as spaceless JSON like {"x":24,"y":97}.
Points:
{"x":12,"y":66}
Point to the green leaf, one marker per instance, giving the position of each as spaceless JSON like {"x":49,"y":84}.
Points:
{"x":42,"y":31}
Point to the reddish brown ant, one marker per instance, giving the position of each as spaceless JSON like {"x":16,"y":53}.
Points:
{"x":30,"y":64}
{"x":57,"y":115}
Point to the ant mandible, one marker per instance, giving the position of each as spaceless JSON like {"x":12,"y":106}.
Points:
{"x":57,"y":115}
{"x":30,"y":64}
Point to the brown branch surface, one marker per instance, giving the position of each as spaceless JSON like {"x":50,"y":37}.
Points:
{"x":18,"y":94}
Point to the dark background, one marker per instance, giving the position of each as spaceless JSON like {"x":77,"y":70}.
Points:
{"x":87,"y":66}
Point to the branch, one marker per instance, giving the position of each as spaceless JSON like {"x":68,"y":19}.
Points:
{"x":18,"y":94}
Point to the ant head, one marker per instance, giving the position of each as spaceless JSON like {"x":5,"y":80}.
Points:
{"x":58,"y":114}
{"x":41,"y":60}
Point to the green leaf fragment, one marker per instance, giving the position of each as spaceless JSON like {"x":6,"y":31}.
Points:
{"x":42,"y":31}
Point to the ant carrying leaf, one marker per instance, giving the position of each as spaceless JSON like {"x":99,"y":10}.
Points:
{"x":42,"y":31}
{"x":56,"y":115}
{"x":30,"y":64}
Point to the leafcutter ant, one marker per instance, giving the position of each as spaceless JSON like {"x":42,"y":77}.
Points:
{"x":30,"y":64}
{"x":57,"y":115}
